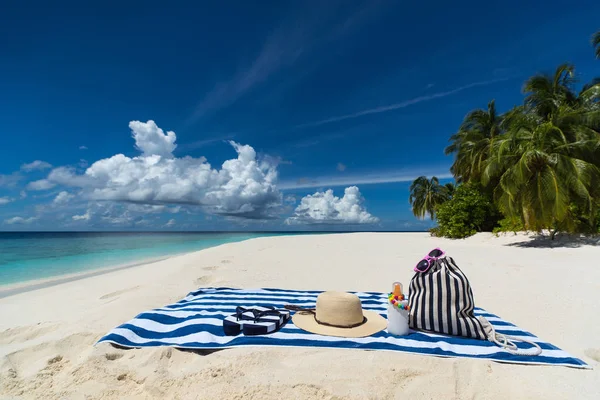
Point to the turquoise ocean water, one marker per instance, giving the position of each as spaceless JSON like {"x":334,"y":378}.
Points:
{"x":37,"y":255}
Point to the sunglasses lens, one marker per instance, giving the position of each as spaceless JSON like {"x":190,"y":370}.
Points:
{"x":436,"y":253}
{"x":423,"y":265}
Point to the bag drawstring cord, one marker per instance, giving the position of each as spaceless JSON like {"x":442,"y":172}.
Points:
{"x":506,"y":341}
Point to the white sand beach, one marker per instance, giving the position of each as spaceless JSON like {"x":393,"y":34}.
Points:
{"x":47,"y":335}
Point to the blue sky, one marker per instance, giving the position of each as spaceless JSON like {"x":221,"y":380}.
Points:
{"x":299,"y":98}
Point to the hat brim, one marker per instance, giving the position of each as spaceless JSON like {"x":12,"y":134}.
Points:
{"x":375,"y":323}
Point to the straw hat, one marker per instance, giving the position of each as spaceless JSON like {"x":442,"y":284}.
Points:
{"x":339,"y":314}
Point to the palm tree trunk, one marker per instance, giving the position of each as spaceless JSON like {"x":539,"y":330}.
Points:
{"x":554,"y":231}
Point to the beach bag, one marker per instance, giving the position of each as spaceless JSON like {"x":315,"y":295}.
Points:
{"x":441,"y":300}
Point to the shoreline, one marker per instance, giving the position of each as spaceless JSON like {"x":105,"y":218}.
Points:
{"x":533,"y":239}
{"x":12,"y":289}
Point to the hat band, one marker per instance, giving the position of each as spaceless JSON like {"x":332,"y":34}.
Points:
{"x":314,"y":313}
{"x":364,"y":321}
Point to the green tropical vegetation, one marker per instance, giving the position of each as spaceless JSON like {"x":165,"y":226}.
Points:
{"x":535,"y":167}
{"x":427,"y":194}
{"x":596,"y":43}
{"x":469,"y":211}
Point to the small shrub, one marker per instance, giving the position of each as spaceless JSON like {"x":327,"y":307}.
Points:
{"x":509,"y":225}
{"x":468,"y":212}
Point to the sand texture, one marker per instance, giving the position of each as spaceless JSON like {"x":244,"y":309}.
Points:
{"x":47,"y":335}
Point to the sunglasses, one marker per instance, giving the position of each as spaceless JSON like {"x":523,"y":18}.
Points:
{"x":429,"y":260}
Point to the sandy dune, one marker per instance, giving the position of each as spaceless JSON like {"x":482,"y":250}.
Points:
{"x":47,"y":335}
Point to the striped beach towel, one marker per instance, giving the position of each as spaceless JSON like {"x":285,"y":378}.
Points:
{"x":196,"y":322}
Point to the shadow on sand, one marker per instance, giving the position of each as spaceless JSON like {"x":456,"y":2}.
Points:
{"x":200,"y":352}
{"x":536,"y":240}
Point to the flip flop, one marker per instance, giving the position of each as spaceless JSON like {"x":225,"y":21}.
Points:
{"x":255,"y":321}
{"x":266,"y":322}
{"x":232,"y":324}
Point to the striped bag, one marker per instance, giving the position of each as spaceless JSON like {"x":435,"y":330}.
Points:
{"x":441,"y":300}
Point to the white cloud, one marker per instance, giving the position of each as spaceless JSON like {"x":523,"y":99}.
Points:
{"x":402,"y":104}
{"x":146,"y":208}
{"x":111,"y":214}
{"x":42,"y":184}
{"x":5,"y":200}
{"x":152,"y":208}
{"x":171,"y":222}
{"x":244,"y":186}
{"x":365,"y":178}
{"x":19,"y":220}
{"x":325,"y":208}
{"x":290,"y":40}
{"x":10,"y":180}
{"x":82,"y":217}
{"x":83,"y":148}
{"x":35,"y":165}
{"x":151,"y":140}
{"x":63,"y":197}
{"x":23,"y":194}
{"x":290,"y":198}
{"x":341,"y":167}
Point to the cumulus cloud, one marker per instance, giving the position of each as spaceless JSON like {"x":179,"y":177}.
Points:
{"x":19,"y":220}
{"x":42,"y":184}
{"x":341,"y":167}
{"x":83,"y":148}
{"x":325,"y":208}
{"x":63,"y":197}
{"x":35,"y":165}
{"x":109,"y":214}
{"x":5,"y":200}
{"x":151,"y":140}
{"x":244,"y":186}
{"x":23,"y":194}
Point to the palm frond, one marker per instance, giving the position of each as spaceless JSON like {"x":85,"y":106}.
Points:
{"x":596,"y":43}
{"x":541,"y":160}
{"x":425,"y":195}
{"x":544,"y":93}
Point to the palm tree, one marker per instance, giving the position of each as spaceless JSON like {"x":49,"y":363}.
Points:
{"x":589,"y":96}
{"x":541,"y":160}
{"x":450,"y":189}
{"x":426,"y":195}
{"x":473,"y":141}
{"x":596,"y":43}
{"x":545,"y":93}
{"x":549,"y":159}
{"x":544,"y":177}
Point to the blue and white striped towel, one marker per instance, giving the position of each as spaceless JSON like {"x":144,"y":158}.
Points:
{"x":196,"y":322}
